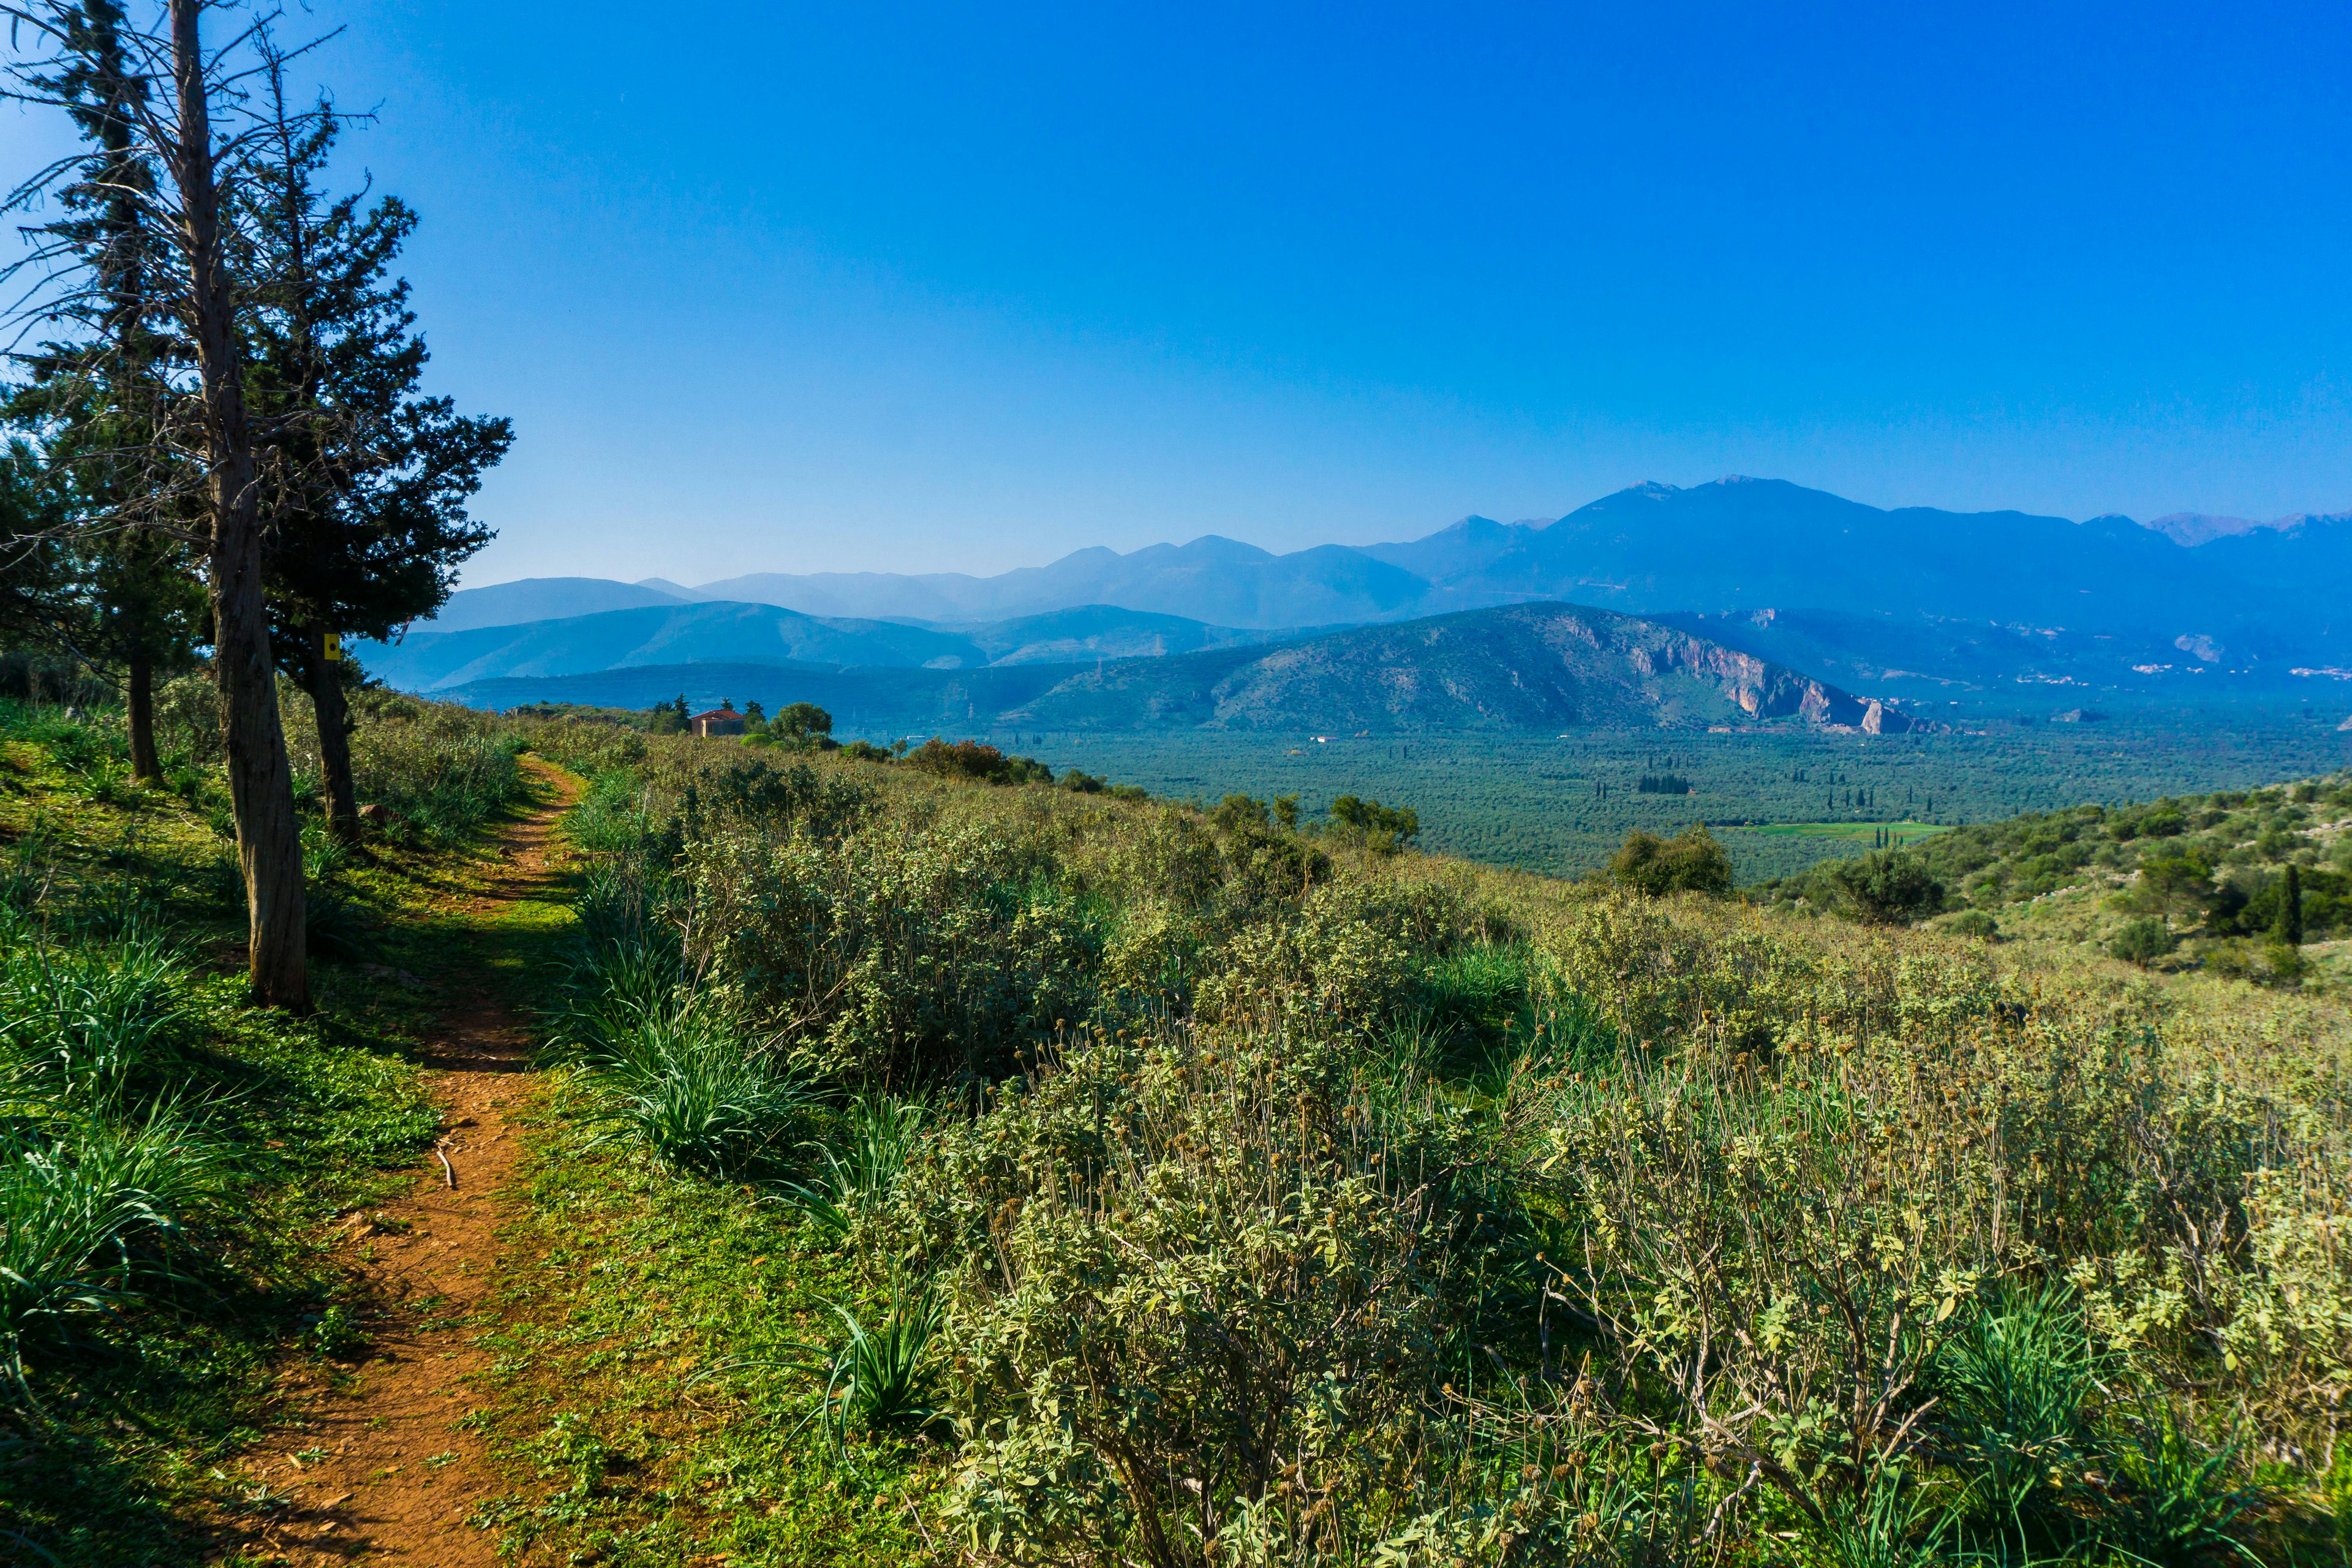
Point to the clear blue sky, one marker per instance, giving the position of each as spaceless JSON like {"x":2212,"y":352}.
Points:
{"x":910,"y":288}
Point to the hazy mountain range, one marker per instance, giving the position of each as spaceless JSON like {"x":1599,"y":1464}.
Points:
{"x":2276,"y":588}
{"x":670,"y":633}
{"x":1912,"y":603}
{"x":1538,"y":665}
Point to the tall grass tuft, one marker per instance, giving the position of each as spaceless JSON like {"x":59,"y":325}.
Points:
{"x":862,"y":1174}
{"x":880,"y":1377}
{"x":89,"y":1025}
{"x":84,"y":1216}
{"x":671,"y":1075}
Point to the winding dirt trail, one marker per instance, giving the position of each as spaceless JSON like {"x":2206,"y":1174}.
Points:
{"x":379,"y":1471}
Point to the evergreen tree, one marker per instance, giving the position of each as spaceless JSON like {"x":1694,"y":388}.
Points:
{"x":2287,"y":929}
{"x":120,"y":590}
{"x":368,"y":481}
{"x":198,"y":470}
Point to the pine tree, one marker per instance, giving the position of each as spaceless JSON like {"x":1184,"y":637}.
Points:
{"x":122,"y":594}
{"x":368,"y":481}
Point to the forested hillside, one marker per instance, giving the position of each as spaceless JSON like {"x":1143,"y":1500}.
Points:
{"x":2237,"y":880}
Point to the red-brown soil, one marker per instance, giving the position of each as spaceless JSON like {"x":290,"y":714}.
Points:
{"x":377,"y":1465}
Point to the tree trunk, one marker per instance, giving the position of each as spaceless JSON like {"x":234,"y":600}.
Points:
{"x":141,"y":700}
{"x":261,"y":786}
{"x":325,"y":681}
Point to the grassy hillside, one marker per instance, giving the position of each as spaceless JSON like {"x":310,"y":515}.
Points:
{"x":2186,"y":881}
{"x":1008,"y":1175}
{"x":934,"y":1170}
{"x":172,"y":1161}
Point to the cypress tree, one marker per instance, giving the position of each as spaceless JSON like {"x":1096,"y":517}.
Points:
{"x":199,"y":480}
{"x":2287,"y":929}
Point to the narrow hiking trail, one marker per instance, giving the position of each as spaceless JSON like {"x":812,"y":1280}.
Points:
{"x":379,"y":1471}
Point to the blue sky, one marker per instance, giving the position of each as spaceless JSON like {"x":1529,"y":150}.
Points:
{"x":911,"y":288}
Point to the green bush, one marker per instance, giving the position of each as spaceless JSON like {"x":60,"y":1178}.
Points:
{"x":1199,"y":1289}
{"x":1976,"y":923}
{"x":894,"y":958}
{"x":972,"y":760}
{"x":1692,"y":861}
{"x":2142,"y":940}
{"x":1888,"y":887}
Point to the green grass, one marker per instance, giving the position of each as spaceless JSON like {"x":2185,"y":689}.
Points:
{"x":664,"y":1322}
{"x":209,"y":1145}
{"x":1905,"y":832}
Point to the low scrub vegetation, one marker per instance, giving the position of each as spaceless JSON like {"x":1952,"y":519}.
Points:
{"x":1140,"y":1184}
{"x":2239,"y":881}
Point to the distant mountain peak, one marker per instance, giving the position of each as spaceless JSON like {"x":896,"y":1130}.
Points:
{"x":2195,"y":528}
{"x":1733,"y":543}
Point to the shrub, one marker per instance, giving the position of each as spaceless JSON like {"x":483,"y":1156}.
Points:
{"x":2142,"y":940}
{"x":1383,"y":830}
{"x":1690,"y":862}
{"x":1194,"y":1292}
{"x":826,"y":806}
{"x":972,"y":760}
{"x":890,"y":956}
{"x":1888,"y":887}
{"x":1329,"y":970}
{"x":1976,"y":923}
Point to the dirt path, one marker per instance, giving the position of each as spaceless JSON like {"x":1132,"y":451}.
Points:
{"x":380,"y":1471}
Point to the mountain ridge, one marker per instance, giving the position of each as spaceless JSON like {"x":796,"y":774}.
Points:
{"x":1511,"y":667}
{"x":1737,"y":543}
{"x":730,"y":632}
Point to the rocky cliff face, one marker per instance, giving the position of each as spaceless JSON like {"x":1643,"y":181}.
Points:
{"x":1522,"y":666}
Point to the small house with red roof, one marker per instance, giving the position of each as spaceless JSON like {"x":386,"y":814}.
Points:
{"x":717,"y":721}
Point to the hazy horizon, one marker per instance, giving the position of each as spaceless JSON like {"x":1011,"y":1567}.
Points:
{"x":943,"y":290}
{"x":1539,"y":518}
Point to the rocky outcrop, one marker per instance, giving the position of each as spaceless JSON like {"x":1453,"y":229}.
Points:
{"x":1525,"y":667}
